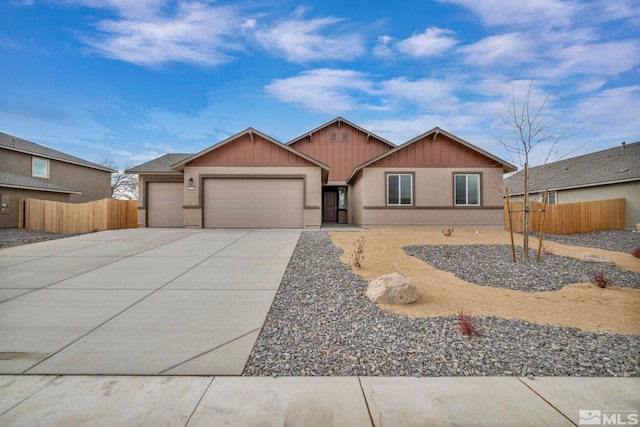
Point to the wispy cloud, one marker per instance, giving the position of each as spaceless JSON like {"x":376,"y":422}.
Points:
{"x":304,"y":40}
{"x":326,"y":90}
{"x":195,"y":33}
{"x":432,"y":41}
{"x":519,"y":14}
{"x":504,"y":49}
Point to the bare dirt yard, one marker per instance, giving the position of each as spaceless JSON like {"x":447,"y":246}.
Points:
{"x":581,"y":305}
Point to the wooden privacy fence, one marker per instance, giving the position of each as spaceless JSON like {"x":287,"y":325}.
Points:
{"x":60,"y":217}
{"x":569,"y":218}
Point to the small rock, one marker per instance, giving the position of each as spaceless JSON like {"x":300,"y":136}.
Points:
{"x":393,"y":288}
{"x":589,"y":257}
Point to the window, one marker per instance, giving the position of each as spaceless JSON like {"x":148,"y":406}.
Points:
{"x":399,"y":189}
{"x":467,"y":189}
{"x":345,"y":136}
{"x":552,"y":198}
{"x":39,"y":168}
{"x":342,"y":198}
{"x":333,"y":136}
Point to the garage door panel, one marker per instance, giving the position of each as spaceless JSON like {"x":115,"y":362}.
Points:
{"x":164,"y":204}
{"x":253,"y":203}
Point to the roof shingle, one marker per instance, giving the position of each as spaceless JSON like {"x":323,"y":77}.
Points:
{"x":621,"y":163}
{"x":160,"y":165}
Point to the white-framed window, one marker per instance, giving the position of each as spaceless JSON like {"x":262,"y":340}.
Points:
{"x":552,"y":197}
{"x":333,"y":136}
{"x":39,"y":167}
{"x":345,"y":136}
{"x":342,"y":198}
{"x":399,"y":189}
{"x":466,"y":189}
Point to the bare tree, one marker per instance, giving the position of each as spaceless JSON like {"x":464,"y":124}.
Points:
{"x":123,"y":185}
{"x":532,"y":126}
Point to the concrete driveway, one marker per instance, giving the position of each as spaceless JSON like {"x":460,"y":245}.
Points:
{"x":139,"y":301}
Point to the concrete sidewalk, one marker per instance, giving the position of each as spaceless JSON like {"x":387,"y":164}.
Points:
{"x":313,"y":401}
{"x":139,"y":301}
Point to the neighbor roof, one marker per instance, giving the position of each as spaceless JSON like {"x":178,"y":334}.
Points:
{"x":161,"y":165}
{"x":12,"y":180}
{"x":341,"y":120}
{"x":22,"y":145}
{"x":507,"y":167}
{"x":614,"y":165}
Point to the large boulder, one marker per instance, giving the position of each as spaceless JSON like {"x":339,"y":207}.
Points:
{"x":589,"y":257}
{"x":393,"y":288}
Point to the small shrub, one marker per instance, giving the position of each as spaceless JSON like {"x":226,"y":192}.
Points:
{"x":636,"y":252}
{"x":357,"y":255}
{"x":468,"y":325}
{"x":548,"y":251}
{"x":600,"y":280}
{"x":448,"y":232}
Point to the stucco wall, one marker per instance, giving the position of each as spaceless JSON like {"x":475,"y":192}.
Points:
{"x":354,"y":200}
{"x":433,"y":202}
{"x":93,"y":183}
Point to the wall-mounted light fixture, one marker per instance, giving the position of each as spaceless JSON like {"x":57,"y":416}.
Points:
{"x":190,"y":185}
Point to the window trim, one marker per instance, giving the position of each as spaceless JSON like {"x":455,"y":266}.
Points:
{"x":466,"y":174}
{"x":386,"y":180}
{"x":33,"y":167}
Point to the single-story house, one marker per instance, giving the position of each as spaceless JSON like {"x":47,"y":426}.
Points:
{"x":31,"y":170}
{"x":608,"y":174}
{"x":336,"y":173}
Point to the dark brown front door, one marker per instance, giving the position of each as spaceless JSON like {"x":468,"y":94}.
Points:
{"x":330,"y":206}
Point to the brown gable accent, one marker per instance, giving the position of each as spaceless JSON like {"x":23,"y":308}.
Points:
{"x":249,"y":149}
{"x":341,"y":146}
{"x":441,"y":152}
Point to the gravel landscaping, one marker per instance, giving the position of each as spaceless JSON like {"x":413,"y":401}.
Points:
{"x":321,"y":324}
{"x":492,"y":265}
{"x":19,"y":236}
{"x":613,"y":240}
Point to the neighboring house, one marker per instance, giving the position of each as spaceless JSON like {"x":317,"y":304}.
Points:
{"x":336,"y":173}
{"x":608,"y":174}
{"x":32,"y":170}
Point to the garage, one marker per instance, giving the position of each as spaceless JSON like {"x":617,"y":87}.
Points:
{"x":253,"y":203}
{"x":164,"y":204}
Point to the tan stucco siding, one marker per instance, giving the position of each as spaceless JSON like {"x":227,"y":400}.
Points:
{"x":433,"y":198}
{"x":354,"y":200}
{"x":193,"y":199}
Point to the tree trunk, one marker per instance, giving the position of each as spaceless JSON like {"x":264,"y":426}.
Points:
{"x":526,"y":214}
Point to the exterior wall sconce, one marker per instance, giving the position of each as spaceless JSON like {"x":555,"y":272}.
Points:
{"x":190,"y":185}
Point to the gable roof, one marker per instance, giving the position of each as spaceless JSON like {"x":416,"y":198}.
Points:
{"x":507,"y":167}
{"x":613,"y":165}
{"x":12,"y":180}
{"x":249,"y":131}
{"x":160,"y":165}
{"x":341,"y":120}
{"x":13,"y":143}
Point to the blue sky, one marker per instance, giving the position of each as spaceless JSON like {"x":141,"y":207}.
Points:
{"x":134,"y":79}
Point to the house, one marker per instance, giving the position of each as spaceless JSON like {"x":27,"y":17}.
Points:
{"x":32,"y":170}
{"x":608,"y":174}
{"x":335,"y":173}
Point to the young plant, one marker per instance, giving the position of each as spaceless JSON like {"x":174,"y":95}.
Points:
{"x":468,"y":325}
{"x":448,"y":232}
{"x":548,"y":251}
{"x":357,"y":255}
{"x":600,"y":280}
{"x":636,"y":252}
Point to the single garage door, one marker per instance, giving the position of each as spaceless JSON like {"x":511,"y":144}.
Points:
{"x":253,"y":203}
{"x":164,"y":204}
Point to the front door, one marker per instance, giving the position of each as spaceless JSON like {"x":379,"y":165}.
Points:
{"x":330,"y":206}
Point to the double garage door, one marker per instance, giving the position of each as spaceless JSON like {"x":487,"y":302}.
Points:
{"x":232,"y":203}
{"x":253,"y":203}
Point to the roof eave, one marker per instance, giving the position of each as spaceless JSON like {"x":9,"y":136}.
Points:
{"x":48,"y":190}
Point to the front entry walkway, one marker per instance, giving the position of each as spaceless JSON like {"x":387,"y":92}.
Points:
{"x":139,"y":301}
